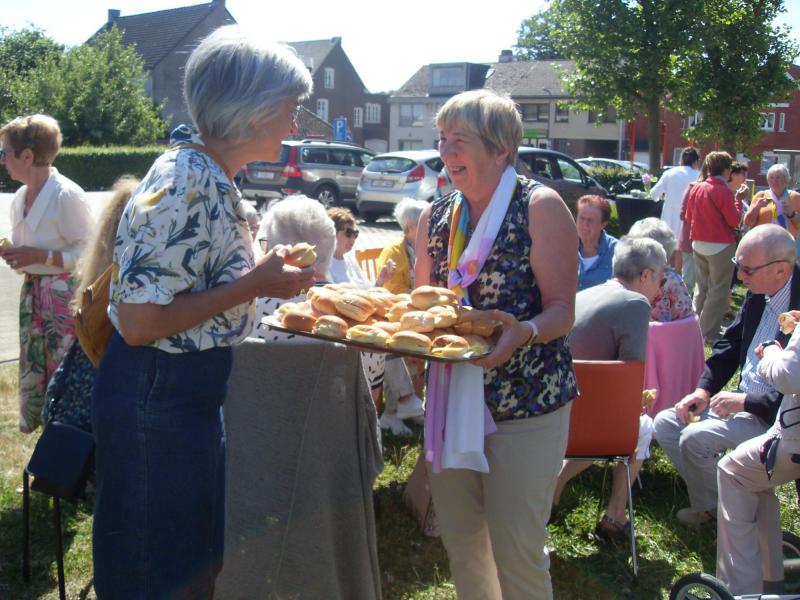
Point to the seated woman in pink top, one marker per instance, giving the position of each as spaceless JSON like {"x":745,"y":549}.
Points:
{"x":674,"y":302}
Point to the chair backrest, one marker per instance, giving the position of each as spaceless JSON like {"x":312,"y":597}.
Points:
{"x":368,"y":261}
{"x":604,"y":420}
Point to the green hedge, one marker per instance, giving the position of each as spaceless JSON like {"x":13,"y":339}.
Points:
{"x":96,"y":169}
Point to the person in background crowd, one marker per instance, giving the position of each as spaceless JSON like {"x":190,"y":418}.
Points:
{"x":611,"y":321}
{"x":672,"y":184}
{"x":778,"y":204}
{"x":182,"y":294}
{"x":674,"y":302}
{"x":50,"y":220}
{"x":595,"y":247}
{"x":726,"y":419}
{"x":401,"y":252}
{"x":69,"y":394}
{"x":506,"y":245}
{"x":713,"y":217}
{"x":737,"y":182}
{"x":294,"y":219}
{"x":393,"y":373}
{"x":749,"y":559}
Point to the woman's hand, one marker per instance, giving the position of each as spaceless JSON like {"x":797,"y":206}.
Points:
{"x":23,"y":256}
{"x":387,"y":272}
{"x":761,"y":351}
{"x":513,"y":336}
{"x":279,"y":280}
{"x":762,"y":201}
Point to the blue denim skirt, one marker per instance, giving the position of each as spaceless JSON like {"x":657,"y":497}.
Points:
{"x":159,"y":509}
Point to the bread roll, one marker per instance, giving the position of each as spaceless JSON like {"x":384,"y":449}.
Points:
{"x":424,"y":297}
{"x":368,"y":334}
{"x":6,"y":244}
{"x":388,"y":327}
{"x":479,"y":323}
{"x":417,"y":320}
{"x":410,"y":341}
{"x":479,"y":345}
{"x":281,"y":310}
{"x":355,"y":307}
{"x":443,"y":316}
{"x":324,"y":300}
{"x":330,"y":326}
{"x":301,"y":255}
{"x":298,"y":320}
{"x":787,"y":322}
{"x":450,"y":346}
{"x":397,"y":310}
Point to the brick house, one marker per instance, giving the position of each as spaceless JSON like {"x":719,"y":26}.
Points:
{"x":164,"y":39}
{"x":340,"y":92}
{"x":534,"y":85}
{"x":780,"y":124}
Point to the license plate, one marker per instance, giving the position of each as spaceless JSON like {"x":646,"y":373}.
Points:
{"x":383,"y":183}
{"x":262,"y":175}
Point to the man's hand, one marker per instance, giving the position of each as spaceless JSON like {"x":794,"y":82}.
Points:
{"x":691,"y":404}
{"x":725,"y":404}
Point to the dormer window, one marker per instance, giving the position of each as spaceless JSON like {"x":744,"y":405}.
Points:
{"x":448,"y":79}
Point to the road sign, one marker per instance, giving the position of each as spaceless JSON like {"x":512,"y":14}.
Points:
{"x":340,"y":129}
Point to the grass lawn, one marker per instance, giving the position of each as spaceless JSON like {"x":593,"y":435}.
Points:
{"x":413,"y":566}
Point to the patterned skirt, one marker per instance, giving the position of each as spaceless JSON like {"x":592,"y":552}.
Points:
{"x":46,"y":331}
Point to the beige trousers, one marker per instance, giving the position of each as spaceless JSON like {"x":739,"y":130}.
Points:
{"x":494,"y":524}
{"x":714,"y":273}
{"x":748,"y":519}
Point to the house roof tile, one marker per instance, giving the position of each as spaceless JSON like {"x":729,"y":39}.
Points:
{"x":314,"y":52}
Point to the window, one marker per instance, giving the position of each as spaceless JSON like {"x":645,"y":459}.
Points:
{"x":569,"y":172}
{"x":317,"y":156}
{"x":768,"y":121}
{"x":767,"y":160}
{"x":535,"y":112}
{"x":411,"y":115}
{"x":358,"y":117}
{"x":373,"y":113}
{"x":692,"y":120}
{"x":447,"y":77}
{"x":328,"y":78}
{"x":782,"y":122}
{"x":322,"y":108}
{"x":410,"y":144}
{"x":562,"y":114}
{"x":608,"y":115}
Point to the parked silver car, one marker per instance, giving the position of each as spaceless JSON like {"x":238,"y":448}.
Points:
{"x":392,"y":176}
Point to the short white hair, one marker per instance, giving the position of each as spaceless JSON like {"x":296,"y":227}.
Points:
{"x":781,"y":169}
{"x":408,"y":210}
{"x":655,"y":229}
{"x":234,"y":81}
{"x":634,"y":255}
{"x":297,"y":219}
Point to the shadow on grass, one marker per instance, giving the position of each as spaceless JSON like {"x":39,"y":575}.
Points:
{"x":42,"y":544}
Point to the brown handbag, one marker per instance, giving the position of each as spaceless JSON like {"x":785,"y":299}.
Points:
{"x":92,"y":324}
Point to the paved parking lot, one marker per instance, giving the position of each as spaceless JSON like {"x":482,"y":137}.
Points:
{"x":372,"y":236}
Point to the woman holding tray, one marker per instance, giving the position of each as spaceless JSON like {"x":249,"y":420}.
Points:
{"x":506,"y":245}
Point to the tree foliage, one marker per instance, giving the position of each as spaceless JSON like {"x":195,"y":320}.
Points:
{"x":724,"y":58}
{"x":535,"y":38}
{"x":740,"y":68}
{"x":96,"y":91}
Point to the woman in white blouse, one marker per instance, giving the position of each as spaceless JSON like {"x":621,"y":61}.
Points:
{"x":51,"y":220}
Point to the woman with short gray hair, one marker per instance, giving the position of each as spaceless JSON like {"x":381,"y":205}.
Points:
{"x":401,"y":251}
{"x":182,"y":294}
{"x":778,"y":204}
{"x":675,"y":302}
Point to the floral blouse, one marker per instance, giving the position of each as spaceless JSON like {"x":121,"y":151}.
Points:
{"x":181,"y":232}
{"x":674,"y":302}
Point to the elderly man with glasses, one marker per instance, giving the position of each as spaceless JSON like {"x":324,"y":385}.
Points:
{"x":709,"y":421}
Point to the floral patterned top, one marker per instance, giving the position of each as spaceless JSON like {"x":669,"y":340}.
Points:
{"x":675,"y":302}
{"x":535,"y":380}
{"x":182,"y":232}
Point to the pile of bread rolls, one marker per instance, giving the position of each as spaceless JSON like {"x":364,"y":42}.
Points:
{"x":427,"y":321}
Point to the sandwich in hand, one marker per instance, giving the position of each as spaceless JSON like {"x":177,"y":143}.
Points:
{"x":301,"y":255}
{"x":787,"y":322}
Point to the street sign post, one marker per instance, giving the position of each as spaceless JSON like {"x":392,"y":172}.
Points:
{"x":340,"y":129}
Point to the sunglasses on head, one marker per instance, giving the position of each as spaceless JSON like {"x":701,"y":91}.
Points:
{"x":351,"y":233}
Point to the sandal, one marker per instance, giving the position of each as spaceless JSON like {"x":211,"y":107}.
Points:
{"x":611,"y":530}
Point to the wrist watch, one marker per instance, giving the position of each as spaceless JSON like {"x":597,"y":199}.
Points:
{"x":49,"y":261}
{"x":768,"y":343}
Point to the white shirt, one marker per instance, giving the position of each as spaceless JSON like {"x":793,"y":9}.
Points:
{"x":673,"y":184}
{"x":346,"y":270}
{"x":59,"y":219}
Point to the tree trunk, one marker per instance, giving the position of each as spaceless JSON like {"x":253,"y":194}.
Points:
{"x":654,"y":133}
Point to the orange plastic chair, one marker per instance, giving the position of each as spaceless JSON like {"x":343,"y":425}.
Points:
{"x":368,"y":261}
{"x":604,"y":420}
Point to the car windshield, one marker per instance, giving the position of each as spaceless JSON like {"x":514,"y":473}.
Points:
{"x":390,"y":164}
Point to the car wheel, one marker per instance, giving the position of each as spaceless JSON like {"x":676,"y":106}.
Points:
{"x":369,"y":217}
{"x":327,"y":195}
